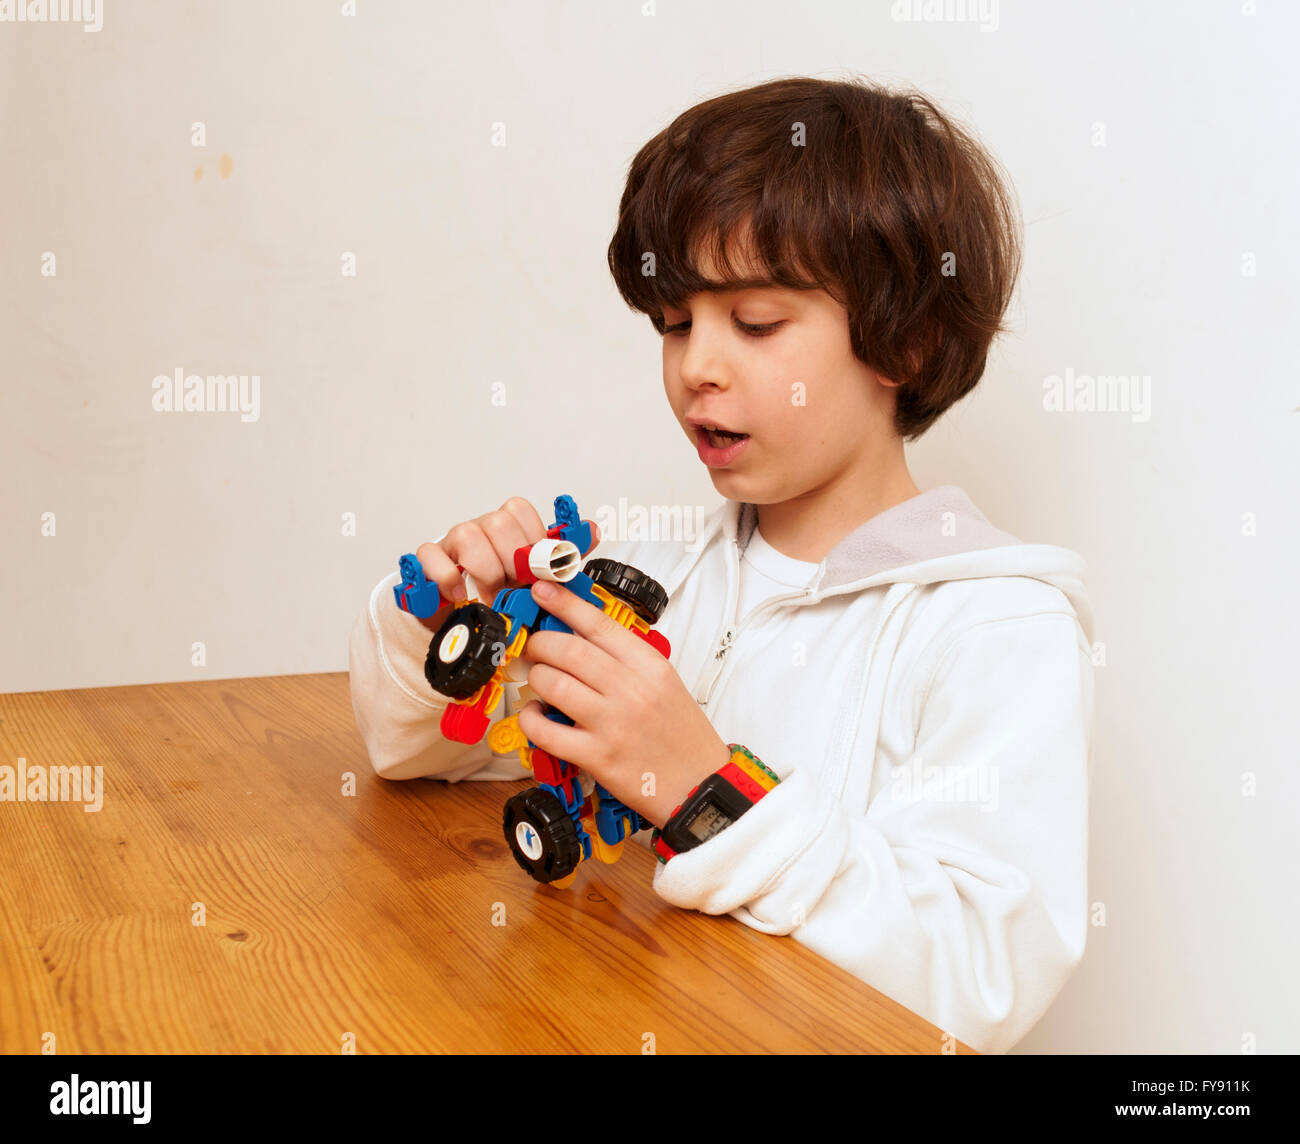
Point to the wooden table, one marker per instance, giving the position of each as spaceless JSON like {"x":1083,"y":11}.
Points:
{"x":374,"y":915}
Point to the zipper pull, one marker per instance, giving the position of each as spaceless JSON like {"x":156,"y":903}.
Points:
{"x":716,"y":670}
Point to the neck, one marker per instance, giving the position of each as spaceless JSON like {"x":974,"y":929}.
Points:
{"x":808,"y":526}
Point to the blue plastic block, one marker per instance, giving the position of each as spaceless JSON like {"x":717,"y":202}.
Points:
{"x":573,"y":528}
{"x":609,"y":817}
{"x":584,"y":840}
{"x":416,"y":593}
{"x":569,"y":793}
{"x":518,"y":603}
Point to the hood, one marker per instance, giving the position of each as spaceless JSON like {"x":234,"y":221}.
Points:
{"x":935,"y":536}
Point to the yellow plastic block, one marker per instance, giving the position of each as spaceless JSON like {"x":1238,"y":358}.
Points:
{"x":599,"y":847}
{"x":505,"y":735}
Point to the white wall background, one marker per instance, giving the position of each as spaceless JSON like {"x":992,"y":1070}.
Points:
{"x":480,"y":265}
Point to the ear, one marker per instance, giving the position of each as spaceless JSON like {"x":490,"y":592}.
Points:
{"x":914,"y":359}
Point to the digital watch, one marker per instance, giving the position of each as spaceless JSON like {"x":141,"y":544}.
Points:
{"x":714,"y":804}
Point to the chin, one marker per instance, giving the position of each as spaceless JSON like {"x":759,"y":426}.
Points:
{"x":732,"y":486}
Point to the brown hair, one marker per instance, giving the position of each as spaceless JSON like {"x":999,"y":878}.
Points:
{"x":883,"y":187}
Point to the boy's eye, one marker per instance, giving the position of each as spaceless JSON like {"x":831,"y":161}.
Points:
{"x":756,"y":331}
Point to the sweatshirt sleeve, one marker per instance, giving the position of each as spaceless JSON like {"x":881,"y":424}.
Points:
{"x":396,"y":710}
{"x":962,"y":891}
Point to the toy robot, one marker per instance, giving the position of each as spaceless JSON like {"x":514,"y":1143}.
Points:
{"x":549,"y":826}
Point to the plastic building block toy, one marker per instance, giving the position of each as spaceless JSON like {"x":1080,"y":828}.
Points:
{"x":416,"y":593}
{"x":549,"y":827}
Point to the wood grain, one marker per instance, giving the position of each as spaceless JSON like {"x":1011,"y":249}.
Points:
{"x":368,"y":915}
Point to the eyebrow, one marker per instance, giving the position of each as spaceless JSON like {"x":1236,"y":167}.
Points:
{"x":741,"y":285}
{"x":785,"y":292}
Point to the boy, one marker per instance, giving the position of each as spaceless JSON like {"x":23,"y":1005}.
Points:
{"x":827,"y":264}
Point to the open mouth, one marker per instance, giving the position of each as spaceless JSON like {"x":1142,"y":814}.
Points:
{"x":720,"y":439}
{"x":719,"y":447}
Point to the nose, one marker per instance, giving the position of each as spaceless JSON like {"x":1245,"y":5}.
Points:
{"x":703,"y":362}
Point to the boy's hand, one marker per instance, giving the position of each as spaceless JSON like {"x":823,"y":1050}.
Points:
{"x":633,"y":715}
{"x":485,"y":549}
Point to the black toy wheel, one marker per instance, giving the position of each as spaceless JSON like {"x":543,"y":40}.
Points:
{"x":541,"y":835}
{"x":464,"y":652}
{"x":646,"y":597}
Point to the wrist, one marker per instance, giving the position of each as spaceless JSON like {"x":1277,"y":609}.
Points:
{"x":673,"y":794}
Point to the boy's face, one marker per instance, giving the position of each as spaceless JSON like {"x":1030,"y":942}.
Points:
{"x":816,"y":417}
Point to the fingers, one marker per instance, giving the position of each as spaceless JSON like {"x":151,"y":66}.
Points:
{"x":441,"y":569}
{"x":533,"y":528}
{"x":575,"y":657}
{"x":484,"y":549}
{"x":565,"y":693}
{"x":466,"y":548}
{"x":557,"y":739}
{"x":523,"y":511}
{"x":604,"y":633}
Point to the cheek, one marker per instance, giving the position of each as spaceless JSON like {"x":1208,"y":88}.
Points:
{"x":795,"y":397}
{"x":673,"y":388}
{"x":807,"y":428}
{"x":797,"y":411}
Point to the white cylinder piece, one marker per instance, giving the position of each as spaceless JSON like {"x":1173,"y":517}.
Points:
{"x":556,"y":560}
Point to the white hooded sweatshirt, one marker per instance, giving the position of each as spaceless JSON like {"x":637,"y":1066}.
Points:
{"x":927,"y":704}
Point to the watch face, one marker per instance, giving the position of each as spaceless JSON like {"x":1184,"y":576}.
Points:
{"x":714,"y":806}
{"x":708,"y":822}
